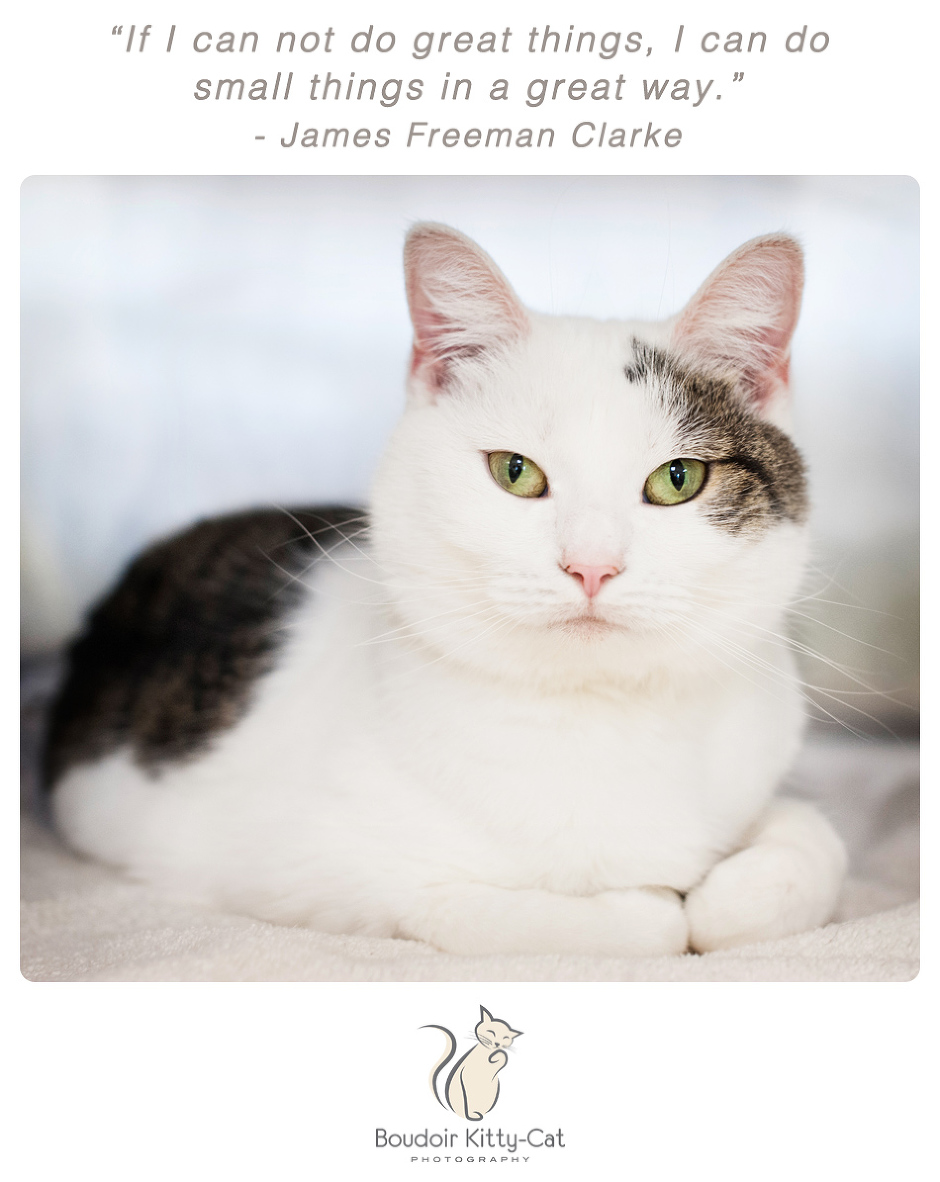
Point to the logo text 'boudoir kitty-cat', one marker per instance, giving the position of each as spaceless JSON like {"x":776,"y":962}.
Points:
{"x":471,"y":1088}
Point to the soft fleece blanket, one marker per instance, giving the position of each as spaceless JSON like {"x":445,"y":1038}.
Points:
{"x":84,"y":922}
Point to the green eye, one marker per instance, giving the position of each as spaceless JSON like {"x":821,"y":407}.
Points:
{"x":677,"y":481}
{"x":516,"y":474}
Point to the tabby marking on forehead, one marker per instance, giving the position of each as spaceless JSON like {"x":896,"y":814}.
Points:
{"x":757,"y":477}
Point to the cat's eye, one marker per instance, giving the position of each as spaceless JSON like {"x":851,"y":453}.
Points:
{"x":517,"y":474}
{"x":675,"y":482}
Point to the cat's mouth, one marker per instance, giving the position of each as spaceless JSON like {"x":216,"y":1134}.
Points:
{"x":587,"y":624}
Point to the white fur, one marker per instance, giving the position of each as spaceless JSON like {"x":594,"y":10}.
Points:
{"x":455,"y":747}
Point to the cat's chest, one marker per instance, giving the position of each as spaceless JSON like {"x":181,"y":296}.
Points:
{"x":577,"y":792}
{"x":459,"y":774}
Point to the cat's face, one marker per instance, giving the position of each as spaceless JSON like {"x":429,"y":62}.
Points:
{"x":493,"y":1033}
{"x":580,"y":493}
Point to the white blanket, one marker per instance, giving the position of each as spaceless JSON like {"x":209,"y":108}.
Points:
{"x":84,"y":922}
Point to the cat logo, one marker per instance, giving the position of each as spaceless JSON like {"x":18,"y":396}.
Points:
{"x":472,"y":1089}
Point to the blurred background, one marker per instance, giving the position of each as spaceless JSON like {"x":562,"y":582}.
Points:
{"x":192,"y":345}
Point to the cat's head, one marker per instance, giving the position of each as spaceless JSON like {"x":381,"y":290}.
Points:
{"x":493,"y":1033}
{"x":569,"y":496}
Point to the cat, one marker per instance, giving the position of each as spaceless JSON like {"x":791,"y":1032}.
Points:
{"x":472,"y":1088}
{"x":536,"y":700}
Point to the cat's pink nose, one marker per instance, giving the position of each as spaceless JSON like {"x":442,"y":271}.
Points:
{"x":591,"y":576}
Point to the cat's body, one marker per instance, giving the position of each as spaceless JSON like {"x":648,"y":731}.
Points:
{"x":471,"y":1088}
{"x":497,"y":723}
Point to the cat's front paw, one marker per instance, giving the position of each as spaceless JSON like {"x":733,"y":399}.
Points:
{"x":650,"y":921}
{"x":762,"y":893}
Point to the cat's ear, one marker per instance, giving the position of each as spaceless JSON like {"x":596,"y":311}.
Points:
{"x":515,"y":1033}
{"x":741,"y":320}
{"x":485,"y":1015}
{"x":462,"y":308}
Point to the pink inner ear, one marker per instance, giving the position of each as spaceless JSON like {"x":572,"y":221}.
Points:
{"x":743,"y":316}
{"x":428,"y":347}
{"x":461,"y":305}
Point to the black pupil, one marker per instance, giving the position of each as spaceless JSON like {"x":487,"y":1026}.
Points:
{"x":677,"y":474}
{"x":516,"y":464}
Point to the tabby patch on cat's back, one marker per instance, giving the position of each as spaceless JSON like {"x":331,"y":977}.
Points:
{"x":536,"y":696}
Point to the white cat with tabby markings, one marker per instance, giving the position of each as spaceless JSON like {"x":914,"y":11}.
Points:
{"x":537,"y":701}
